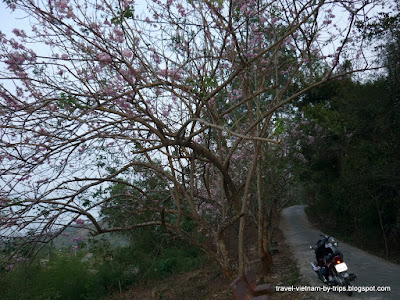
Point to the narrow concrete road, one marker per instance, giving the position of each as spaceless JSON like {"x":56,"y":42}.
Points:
{"x":370,"y":270}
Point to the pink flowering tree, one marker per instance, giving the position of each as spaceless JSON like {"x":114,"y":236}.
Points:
{"x":99,"y":94}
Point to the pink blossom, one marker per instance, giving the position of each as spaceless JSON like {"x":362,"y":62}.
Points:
{"x":156,"y":58}
{"x":16,"y":45}
{"x":80,"y":221}
{"x":175,"y":74}
{"x":82,"y":149}
{"x":127,"y":53}
{"x":70,"y":14}
{"x":19,"y":32}
{"x":249,"y":54}
{"x":62,"y":6}
{"x":118,"y":32}
{"x":9,"y":267}
{"x":257,"y":38}
{"x":181,"y":10}
{"x":124,"y":72}
{"x":227,"y":117}
{"x":68,"y":32}
{"x":25,"y":178}
{"x":235,"y":95}
{"x":288,"y":40}
{"x":237,"y":156}
{"x":104,"y":58}
{"x":42,"y":131}
{"x":165,"y":112}
{"x":15,"y":60}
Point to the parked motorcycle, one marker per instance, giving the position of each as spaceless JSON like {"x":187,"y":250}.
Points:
{"x":330,"y":267}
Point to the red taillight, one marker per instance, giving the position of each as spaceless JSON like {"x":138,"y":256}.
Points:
{"x":338,"y":259}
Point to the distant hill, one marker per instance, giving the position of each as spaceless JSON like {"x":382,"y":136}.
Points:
{"x":72,"y":235}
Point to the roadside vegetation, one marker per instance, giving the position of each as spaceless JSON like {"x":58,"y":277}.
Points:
{"x":349,"y":133}
{"x":95,"y":269}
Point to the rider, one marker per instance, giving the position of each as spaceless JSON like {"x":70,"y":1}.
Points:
{"x":324,"y":250}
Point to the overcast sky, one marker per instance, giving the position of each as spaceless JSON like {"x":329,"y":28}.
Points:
{"x":10,"y":20}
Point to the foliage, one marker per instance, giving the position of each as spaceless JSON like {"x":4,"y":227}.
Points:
{"x":67,"y":275}
{"x":352,"y":162}
{"x":63,"y":278}
{"x":352,"y":167}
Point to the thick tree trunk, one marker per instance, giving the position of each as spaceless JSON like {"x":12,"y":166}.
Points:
{"x":224,"y":257}
{"x":263,"y":245}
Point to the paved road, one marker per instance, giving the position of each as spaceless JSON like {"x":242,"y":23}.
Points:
{"x":370,"y":270}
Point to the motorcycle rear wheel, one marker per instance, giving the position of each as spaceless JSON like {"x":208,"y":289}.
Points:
{"x":349,"y":293}
{"x":343,"y":282}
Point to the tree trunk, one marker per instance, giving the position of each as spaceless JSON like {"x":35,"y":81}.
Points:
{"x":263,"y":245}
{"x":382,"y":227}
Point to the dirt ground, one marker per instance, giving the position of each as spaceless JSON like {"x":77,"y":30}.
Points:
{"x":209,"y":283}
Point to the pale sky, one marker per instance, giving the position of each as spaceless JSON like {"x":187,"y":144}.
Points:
{"x":10,"y":20}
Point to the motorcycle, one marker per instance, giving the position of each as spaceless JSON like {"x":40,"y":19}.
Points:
{"x":330,"y":267}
